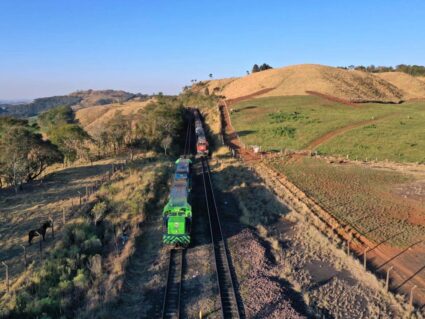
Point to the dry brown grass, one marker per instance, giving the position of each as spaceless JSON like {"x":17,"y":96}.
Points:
{"x":94,"y":118}
{"x":135,"y":198}
{"x":411,"y":86}
{"x":297,"y":79}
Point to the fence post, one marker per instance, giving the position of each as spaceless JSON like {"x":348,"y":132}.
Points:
{"x":7,"y":275}
{"x":411,"y":298}
{"x":387,"y":281}
{"x":365,"y":257}
{"x":25,"y":256}
{"x":53,"y":226}
{"x":40,"y":245}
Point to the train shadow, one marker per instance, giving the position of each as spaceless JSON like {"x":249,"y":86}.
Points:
{"x":232,"y":185}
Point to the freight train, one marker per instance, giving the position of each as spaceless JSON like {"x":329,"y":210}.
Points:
{"x":177,"y":213}
{"x":201,"y":140}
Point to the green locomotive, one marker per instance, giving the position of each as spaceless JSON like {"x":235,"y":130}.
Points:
{"x":177,"y":213}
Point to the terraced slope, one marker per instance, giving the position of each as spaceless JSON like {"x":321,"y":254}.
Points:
{"x":411,"y":86}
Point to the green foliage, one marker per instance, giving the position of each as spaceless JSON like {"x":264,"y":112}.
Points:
{"x":262,"y":67}
{"x":190,"y":98}
{"x":284,"y":131}
{"x":160,"y":120}
{"x":280,"y":117}
{"x":60,"y":285}
{"x":415,"y":70}
{"x":24,"y":155}
{"x":55,"y":117}
{"x":70,"y":140}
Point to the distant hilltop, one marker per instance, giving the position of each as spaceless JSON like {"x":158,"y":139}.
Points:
{"x":77,"y":100}
{"x":347,"y":84}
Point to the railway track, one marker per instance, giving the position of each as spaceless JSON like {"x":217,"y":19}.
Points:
{"x":173,"y":288}
{"x":171,"y":307}
{"x":229,"y":303}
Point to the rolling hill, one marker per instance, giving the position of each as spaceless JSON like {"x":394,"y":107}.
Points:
{"x":77,"y":100}
{"x":94,"y":118}
{"x":351,"y":85}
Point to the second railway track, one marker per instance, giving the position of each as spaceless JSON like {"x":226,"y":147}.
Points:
{"x":229,"y":303}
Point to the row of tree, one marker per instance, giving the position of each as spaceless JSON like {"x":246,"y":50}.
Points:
{"x":154,"y":127}
{"x":415,"y":70}
{"x":262,"y":67}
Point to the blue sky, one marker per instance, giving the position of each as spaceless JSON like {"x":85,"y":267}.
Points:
{"x":52,"y":47}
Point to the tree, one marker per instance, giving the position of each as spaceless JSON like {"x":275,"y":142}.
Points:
{"x":55,"y":117}
{"x":70,"y":139}
{"x":265,"y":66}
{"x":255,"y":68}
{"x":24,"y":155}
{"x":166,"y":143}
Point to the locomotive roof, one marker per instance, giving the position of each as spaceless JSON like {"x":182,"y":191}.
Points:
{"x":183,"y":165}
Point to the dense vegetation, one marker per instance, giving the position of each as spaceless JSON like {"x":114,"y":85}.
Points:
{"x":26,"y":155}
{"x":39,"y":105}
{"x":60,"y":127}
{"x":157,"y":126}
{"x":415,"y":70}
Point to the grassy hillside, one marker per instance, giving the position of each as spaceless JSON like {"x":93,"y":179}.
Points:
{"x":94,"y":118}
{"x":383,"y":131}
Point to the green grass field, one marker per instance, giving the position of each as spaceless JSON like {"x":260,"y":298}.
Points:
{"x":293,"y":122}
{"x":367,"y":202}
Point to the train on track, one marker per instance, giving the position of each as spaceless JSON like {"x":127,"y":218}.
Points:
{"x":177,"y":213}
{"x":201,"y":139}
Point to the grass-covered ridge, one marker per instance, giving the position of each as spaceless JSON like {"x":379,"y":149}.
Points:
{"x":382,"y":131}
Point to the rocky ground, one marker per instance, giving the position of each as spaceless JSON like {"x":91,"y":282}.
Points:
{"x":287,"y":268}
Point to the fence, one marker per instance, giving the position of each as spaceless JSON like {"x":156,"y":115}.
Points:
{"x":83,"y":199}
